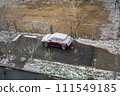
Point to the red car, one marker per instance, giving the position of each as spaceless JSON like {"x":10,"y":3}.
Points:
{"x":57,"y":40}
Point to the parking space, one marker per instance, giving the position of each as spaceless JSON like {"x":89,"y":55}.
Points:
{"x":79,"y":54}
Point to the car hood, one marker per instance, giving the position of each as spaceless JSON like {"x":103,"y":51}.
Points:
{"x":68,"y":40}
{"x":45,"y":38}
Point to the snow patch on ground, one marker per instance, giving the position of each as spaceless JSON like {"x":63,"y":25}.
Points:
{"x":6,"y":61}
{"x":16,"y":38}
{"x":28,"y":36}
{"x":6,"y":36}
{"x":63,"y":70}
{"x":112,"y":46}
{"x":110,"y":31}
{"x":68,"y":71}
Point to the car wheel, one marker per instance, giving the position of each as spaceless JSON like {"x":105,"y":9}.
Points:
{"x":63,"y":47}
{"x":45,"y":44}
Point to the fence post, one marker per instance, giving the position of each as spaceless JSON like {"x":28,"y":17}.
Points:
{"x":32,"y":27}
{"x":93,"y":36}
{"x":71,"y":32}
{"x":118,"y":34}
{"x":15,"y":25}
{"x":51,"y":29}
{"x":0,"y":28}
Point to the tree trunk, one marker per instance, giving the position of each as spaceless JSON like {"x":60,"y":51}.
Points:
{"x":76,"y":32}
{"x":71,"y":31}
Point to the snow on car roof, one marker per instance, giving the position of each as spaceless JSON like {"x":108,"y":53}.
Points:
{"x":58,"y":35}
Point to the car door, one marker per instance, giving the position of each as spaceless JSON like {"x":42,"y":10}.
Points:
{"x":55,"y":42}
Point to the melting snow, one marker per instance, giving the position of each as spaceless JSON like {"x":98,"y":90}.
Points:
{"x":68,"y":71}
{"x":28,"y":36}
{"x":112,"y":46}
{"x":110,"y":31}
{"x":16,"y":38}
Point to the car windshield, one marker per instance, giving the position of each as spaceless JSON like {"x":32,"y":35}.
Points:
{"x":56,"y":40}
{"x":67,"y":38}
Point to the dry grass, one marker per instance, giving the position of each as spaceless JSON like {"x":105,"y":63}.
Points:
{"x":95,"y":15}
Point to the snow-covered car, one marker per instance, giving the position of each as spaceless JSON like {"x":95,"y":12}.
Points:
{"x":57,"y":40}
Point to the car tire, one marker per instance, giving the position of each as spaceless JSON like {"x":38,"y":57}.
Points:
{"x":63,"y":47}
{"x":45,"y":44}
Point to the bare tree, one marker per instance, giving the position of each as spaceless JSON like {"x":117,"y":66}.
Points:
{"x":27,"y":46}
{"x":48,"y":55}
{"x":7,"y":15}
{"x":5,"y":48}
{"x":3,"y":17}
{"x":73,"y":15}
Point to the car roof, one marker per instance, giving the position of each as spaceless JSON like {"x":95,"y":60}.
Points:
{"x":58,"y":35}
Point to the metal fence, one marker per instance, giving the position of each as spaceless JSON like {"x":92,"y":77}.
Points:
{"x":87,"y":31}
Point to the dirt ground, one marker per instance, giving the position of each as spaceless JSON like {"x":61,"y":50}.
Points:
{"x":95,"y":14}
{"x":51,"y":13}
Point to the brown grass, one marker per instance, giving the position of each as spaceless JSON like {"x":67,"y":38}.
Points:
{"x":95,"y":13}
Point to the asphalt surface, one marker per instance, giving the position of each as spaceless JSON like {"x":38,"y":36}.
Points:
{"x":79,"y":54}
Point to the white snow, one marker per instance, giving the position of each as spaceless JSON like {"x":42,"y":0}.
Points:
{"x":68,"y":71}
{"x":110,"y":31}
{"x":28,"y":36}
{"x":112,"y":46}
{"x":6,"y":36}
{"x":58,"y":35}
{"x":64,"y":70}
{"x":16,"y":38}
{"x":45,"y":38}
{"x":6,"y":61}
